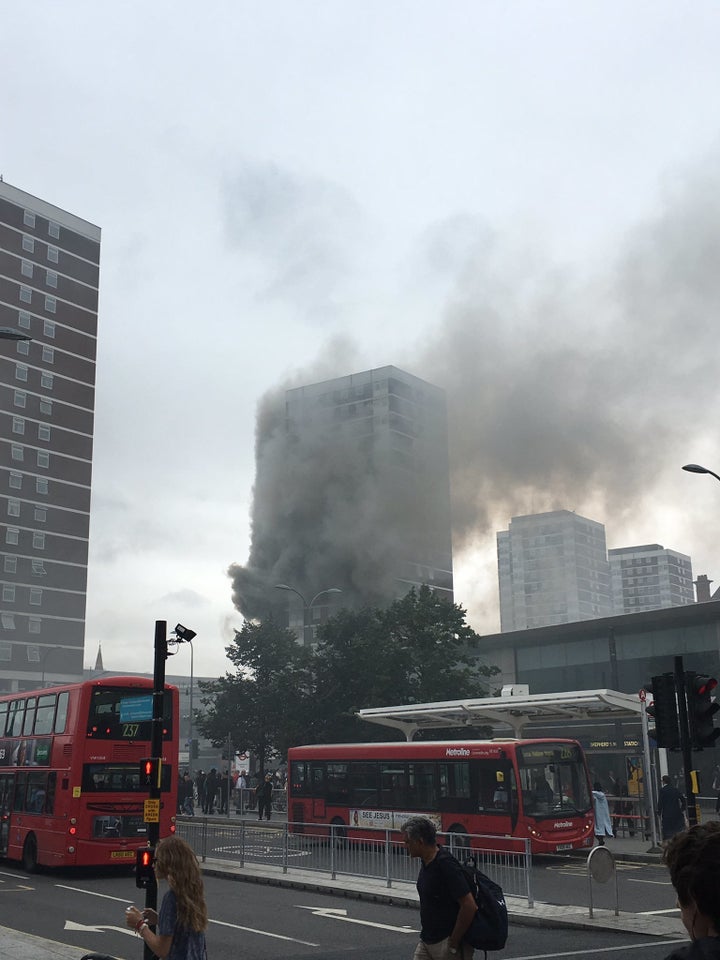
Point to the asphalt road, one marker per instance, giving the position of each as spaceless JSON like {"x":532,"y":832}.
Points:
{"x":258,"y":922}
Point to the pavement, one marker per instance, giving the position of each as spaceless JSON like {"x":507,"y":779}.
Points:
{"x":22,"y":946}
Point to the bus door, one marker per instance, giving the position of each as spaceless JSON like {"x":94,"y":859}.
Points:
{"x":318,"y":783}
{"x":6,"y":795}
{"x":495,"y":791}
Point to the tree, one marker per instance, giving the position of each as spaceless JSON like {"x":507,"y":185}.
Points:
{"x":263,"y":706}
{"x":418,"y":650}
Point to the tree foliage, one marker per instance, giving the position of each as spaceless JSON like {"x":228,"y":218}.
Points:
{"x":263,"y":706}
{"x":417,"y":650}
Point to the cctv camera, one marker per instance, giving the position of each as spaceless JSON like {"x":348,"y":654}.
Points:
{"x":184,"y":634}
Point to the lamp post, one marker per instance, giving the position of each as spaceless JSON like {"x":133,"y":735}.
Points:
{"x":45,"y":655}
{"x":192,"y":686}
{"x":306,"y":606}
{"x":696,"y":468}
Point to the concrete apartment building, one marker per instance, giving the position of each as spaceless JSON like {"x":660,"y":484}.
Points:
{"x":552,"y":569}
{"x":394,"y":428}
{"x":49,"y":269}
{"x":649,"y":577}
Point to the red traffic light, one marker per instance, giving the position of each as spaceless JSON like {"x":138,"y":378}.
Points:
{"x":144,"y":867}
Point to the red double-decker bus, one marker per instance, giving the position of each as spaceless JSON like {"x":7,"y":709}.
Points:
{"x":70,"y":785}
{"x":530,"y":789}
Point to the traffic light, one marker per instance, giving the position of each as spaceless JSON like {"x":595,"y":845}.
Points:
{"x":144,"y":861}
{"x":150,"y":772}
{"x":702,"y":708}
{"x":664,"y":712}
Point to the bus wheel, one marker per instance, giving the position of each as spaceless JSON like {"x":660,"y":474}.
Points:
{"x":29,"y":854}
{"x":459,"y":842}
{"x":339,"y":833}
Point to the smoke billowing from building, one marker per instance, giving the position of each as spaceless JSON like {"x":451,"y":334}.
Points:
{"x":563,"y":393}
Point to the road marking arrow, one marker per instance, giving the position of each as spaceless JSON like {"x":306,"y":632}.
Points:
{"x":335,"y":913}
{"x":96,"y":928}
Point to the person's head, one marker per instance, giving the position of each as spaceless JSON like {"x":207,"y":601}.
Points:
{"x":175,"y":861}
{"x":693,"y":858}
{"x":418,"y":835}
{"x":665,"y":779}
{"x":268,"y":776}
{"x":598,"y":786}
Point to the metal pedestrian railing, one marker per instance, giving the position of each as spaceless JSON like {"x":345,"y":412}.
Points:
{"x":337,"y":851}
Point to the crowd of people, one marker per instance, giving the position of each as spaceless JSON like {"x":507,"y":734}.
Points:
{"x":212,"y":792}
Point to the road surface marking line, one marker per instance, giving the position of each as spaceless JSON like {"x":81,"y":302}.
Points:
{"x":92,"y":893}
{"x":655,"y":913}
{"x":263,"y":933}
{"x":661,"y":883}
{"x":335,"y":913}
{"x":575,"y":953}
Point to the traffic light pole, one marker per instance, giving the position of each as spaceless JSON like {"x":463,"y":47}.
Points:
{"x":156,"y":749}
{"x":685,"y":745}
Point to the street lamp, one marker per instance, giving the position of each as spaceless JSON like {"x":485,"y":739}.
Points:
{"x":696,"y":468}
{"x":186,"y":635}
{"x":306,"y":606}
{"x":9,"y":333}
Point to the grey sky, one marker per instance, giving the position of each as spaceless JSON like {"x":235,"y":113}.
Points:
{"x":501,"y":198}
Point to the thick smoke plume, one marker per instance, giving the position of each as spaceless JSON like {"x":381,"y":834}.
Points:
{"x":563,"y":392}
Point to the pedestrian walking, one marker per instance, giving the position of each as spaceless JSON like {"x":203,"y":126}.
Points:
{"x":603,"y":824}
{"x":447,"y":906}
{"x":671,"y":809}
{"x":263,"y":792}
{"x":181,"y":924}
{"x":692,"y":858}
{"x":622,"y":808}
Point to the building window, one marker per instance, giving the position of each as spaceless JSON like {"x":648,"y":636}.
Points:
{"x":41,"y":485}
{"x":25,"y":293}
{"x":50,"y":304}
{"x":54,"y":229}
{"x":28,"y":218}
{"x":43,"y":458}
{"x":38,"y":568}
{"x":18,"y":425}
{"x":28,"y":244}
{"x":52,"y":254}
{"x":33,"y":653}
{"x":41,"y":514}
{"x":48,"y":354}
{"x":26,"y":268}
{"x":8,"y":622}
{"x":34,"y":624}
{"x":13,"y":508}
{"x":12,"y":536}
{"x":38,"y":540}
{"x":43,"y":431}
{"x":20,"y":398}
{"x":46,"y":380}
{"x":24,"y":319}
{"x":36,"y":596}
{"x":21,"y":372}
{"x":15,"y":480}
{"x":16,"y":452}
{"x":10,"y":565}
{"x":45,"y":405}
{"x":51,"y":278}
{"x":23,"y":347}
{"x":49,"y":329}
{"x":8,"y":593}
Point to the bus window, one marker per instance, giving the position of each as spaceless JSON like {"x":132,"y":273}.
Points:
{"x":298,"y":777}
{"x":45,"y":714}
{"x":422,"y":790}
{"x":337,"y":783}
{"x":118,"y":777}
{"x":36,"y":793}
{"x":496,"y":788}
{"x":29,"y":716}
{"x":20,"y":789}
{"x":15,"y":718}
{"x":62,"y":712}
{"x":364,"y":783}
{"x":393,"y":785}
{"x":3,"y":717}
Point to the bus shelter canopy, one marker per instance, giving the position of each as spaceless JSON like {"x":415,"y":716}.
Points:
{"x":514,"y":711}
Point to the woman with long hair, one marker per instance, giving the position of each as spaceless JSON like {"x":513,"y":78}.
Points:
{"x":181,"y":925}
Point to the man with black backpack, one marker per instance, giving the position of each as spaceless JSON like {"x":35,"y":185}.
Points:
{"x":447,"y":905}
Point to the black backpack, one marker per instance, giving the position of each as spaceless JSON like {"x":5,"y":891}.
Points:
{"x":489,"y":928}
